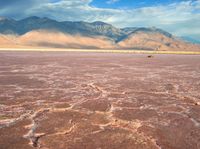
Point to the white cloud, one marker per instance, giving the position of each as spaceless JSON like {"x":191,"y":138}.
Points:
{"x":181,"y":18}
{"x":112,"y":1}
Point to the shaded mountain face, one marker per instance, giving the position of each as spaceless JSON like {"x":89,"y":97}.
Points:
{"x":8,"y":26}
{"x":83,"y":34}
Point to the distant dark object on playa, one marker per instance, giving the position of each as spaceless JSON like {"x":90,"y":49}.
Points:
{"x":150,"y":56}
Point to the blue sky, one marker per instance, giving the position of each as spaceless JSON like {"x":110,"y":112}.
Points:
{"x":128,"y":3}
{"x":131,"y":3}
{"x":180,"y":17}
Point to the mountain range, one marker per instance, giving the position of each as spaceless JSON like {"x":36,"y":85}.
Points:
{"x":44,"y":32}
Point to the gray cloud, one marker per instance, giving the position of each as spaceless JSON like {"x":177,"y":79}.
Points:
{"x":18,"y":8}
{"x":7,"y":3}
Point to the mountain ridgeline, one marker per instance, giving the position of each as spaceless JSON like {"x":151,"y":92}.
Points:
{"x":45,"y":32}
{"x":9,"y":26}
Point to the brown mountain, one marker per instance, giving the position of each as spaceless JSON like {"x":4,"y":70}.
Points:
{"x":44,"y":32}
{"x":155,"y":40}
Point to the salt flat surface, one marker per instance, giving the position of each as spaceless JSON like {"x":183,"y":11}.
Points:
{"x":86,"y":100}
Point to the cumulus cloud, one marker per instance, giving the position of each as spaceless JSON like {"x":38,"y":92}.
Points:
{"x":181,"y":18}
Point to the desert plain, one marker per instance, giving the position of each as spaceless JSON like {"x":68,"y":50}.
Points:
{"x":88,"y":100}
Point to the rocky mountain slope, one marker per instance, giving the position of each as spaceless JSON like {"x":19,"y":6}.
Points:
{"x":45,"y":32}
